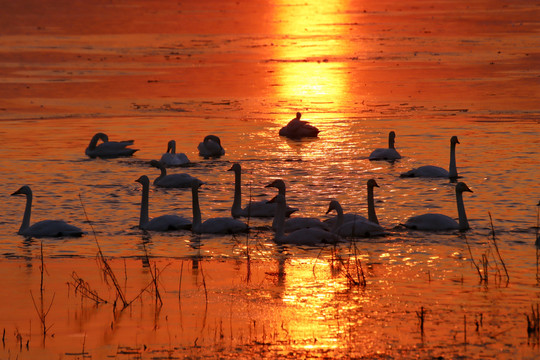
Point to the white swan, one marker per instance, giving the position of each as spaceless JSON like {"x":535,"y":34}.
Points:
{"x":433,"y":222}
{"x":211,"y":147}
{"x":171,"y":158}
{"x":261,"y":208}
{"x":219,"y":225}
{"x":295,"y":223}
{"x":108,"y":149}
{"x":372,"y":215}
{"x":182,"y":180}
{"x":354,"y":228}
{"x":160,"y":223}
{"x":389,"y":153}
{"x":435,"y":171}
{"x":297,"y":129}
{"x":305,"y":236}
{"x":44,"y":228}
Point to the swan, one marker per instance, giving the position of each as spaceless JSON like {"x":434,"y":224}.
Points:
{"x":389,"y":153}
{"x":171,"y":158}
{"x":372,"y":215}
{"x":355,"y":228}
{"x":160,"y":223}
{"x":173,"y":180}
{"x":433,"y":222}
{"x":304,"y":236}
{"x":44,"y":228}
{"x":211,"y":147}
{"x":108,"y":149}
{"x":435,"y":171}
{"x":261,"y":208}
{"x":219,"y":225}
{"x":297,"y":129}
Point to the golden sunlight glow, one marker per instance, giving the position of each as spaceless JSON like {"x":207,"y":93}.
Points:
{"x":313,"y":43}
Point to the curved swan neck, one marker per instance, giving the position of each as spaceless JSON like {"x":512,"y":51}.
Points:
{"x":339,"y":221}
{"x":452,"y":169}
{"x":463,"y":222}
{"x":372,"y":216}
{"x":196,"y":209}
{"x":237,"y":202}
{"x":95,"y":139}
{"x":27,"y":213}
{"x":143,"y":218}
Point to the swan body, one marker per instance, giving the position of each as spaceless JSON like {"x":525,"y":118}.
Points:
{"x":356,"y":228}
{"x":173,"y":180}
{"x":304,"y":236}
{"x":171,"y":158}
{"x":160,"y":223}
{"x":434,"y":222}
{"x":261,"y":208}
{"x":372,"y":215}
{"x":297,"y":129}
{"x":44,"y":228}
{"x":108,"y":149}
{"x":211,"y":147}
{"x":219,"y":225}
{"x":389,"y":153}
{"x":435,"y":171}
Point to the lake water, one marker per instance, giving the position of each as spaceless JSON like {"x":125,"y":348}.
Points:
{"x":153,"y":71}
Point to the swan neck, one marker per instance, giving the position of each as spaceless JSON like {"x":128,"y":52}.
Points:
{"x":339,"y":221}
{"x":452,"y":169}
{"x":143,"y":218}
{"x":27,"y":213}
{"x":463,"y":222}
{"x":173,"y":148}
{"x":196,"y":210}
{"x":391,"y":142}
{"x":93,"y":142}
{"x":372,"y":216}
{"x":237,"y":202}
{"x":279,"y":221}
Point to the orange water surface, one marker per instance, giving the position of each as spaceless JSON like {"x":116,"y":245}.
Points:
{"x":153,"y":71}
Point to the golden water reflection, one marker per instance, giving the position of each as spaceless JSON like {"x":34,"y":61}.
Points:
{"x":312,"y":37}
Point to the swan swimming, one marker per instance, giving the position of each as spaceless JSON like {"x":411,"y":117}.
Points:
{"x":160,"y":223}
{"x":297,"y":129}
{"x":182,"y":180}
{"x":109,"y":149}
{"x":44,"y":228}
{"x":389,"y":153}
{"x":211,"y":147}
{"x":171,"y":158}
{"x":219,"y":225}
{"x":372,"y":215}
{"x":304,"y":236}
{"x":435,"y":171}
{"x":356,"y":228}
{"x":433,"y":222}
{"x":261,"y":208}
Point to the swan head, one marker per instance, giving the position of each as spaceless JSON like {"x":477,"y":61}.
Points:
{"x":461,"y":187}
{"x":371,"y":183}
{"x":278,"y":184}
{"x":24,"y":190}
{"x":213,"y":138}
{"x":236,"y":168}
{"x":196,"y":184}
{"x":157,"y":164}
{"x":143,"y":180}
{"x":454,"y":140}
{"x":298,"y":115}
{"x":392,"y":135}
{"x":334,"y":205}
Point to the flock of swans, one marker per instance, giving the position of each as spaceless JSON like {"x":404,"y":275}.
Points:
{"x":288,"y":230}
